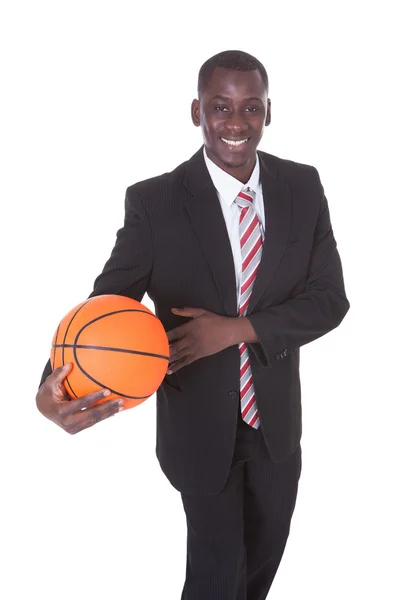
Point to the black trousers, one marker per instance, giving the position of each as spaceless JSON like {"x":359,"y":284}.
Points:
{"x":236,"y":539}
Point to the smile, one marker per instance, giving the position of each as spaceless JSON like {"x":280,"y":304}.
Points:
{"x":234,"y":143}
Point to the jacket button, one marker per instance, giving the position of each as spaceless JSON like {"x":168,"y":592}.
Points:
{"x":233,"y":395}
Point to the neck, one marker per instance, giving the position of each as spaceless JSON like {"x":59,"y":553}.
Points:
{"x":241,"y":172}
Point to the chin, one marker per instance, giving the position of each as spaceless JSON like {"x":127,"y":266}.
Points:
{"x":235,"y":161}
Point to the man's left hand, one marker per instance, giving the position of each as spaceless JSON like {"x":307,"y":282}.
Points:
{"x":206,"y":334}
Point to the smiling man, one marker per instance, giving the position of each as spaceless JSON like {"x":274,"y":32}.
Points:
{"x":235,"y":248}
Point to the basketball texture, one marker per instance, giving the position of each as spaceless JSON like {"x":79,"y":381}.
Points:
{"x":113,"y":342}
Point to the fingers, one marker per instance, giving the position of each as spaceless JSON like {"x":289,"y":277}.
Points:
{"x":175,"y":334}
{"x":94,"y":414}
{"x":178,"y":364}
{"x":178,"y":349}
{"x":89,"y":399}
{"x":72,"y":406}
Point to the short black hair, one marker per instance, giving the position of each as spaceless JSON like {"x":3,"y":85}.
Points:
{"x":230,"y":59}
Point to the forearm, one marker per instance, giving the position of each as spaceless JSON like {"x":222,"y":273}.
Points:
{"x":298,"y":321}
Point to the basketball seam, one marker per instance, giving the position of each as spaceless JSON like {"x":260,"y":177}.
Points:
{"x":110,"y":349}
{"x":114,"y":312}
{"x":65,"y":337}
{"x":55,"y":348}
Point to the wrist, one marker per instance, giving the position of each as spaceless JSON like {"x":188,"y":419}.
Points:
{"x":242,"y":331}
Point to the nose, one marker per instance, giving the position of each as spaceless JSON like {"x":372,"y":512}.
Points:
{"x":235,"y":123}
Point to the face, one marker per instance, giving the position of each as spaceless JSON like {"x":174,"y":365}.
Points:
{"x":232,"y":113}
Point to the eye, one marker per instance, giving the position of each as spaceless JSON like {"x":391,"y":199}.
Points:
{"x":252,"y":108}
{"x":220,"y":108}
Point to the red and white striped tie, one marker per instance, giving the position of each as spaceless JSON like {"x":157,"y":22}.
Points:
{"x":251,"y":244}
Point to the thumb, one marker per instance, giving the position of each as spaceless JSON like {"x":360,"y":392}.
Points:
{"x":62,"y":372}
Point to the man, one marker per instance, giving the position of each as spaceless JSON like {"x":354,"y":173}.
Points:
{"x":236,"y":250}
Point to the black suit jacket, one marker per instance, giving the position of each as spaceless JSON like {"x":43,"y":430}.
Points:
{"x":174,"y":245}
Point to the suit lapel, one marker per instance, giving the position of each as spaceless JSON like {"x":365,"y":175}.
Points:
{"x":278,"y":212}
{"x":205,"y":214}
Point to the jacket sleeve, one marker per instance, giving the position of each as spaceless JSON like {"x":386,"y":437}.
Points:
{"x":317,"y":310}
{"x":127,"y":272}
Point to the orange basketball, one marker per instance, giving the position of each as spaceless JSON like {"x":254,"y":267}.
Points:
{"x":113,"y":342}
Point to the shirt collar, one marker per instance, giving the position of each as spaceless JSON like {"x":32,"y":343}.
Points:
{"x":227,"y":186}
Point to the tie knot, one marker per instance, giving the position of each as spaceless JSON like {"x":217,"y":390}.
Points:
{"x":245,"y":198}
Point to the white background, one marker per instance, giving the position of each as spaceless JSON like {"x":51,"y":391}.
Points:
{"x":96,"y":96}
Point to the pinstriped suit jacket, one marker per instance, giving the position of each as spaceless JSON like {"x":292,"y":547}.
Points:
{"x":174,"y":246}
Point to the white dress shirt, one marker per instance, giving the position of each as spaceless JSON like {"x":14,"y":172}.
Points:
{"x":228,"y":189}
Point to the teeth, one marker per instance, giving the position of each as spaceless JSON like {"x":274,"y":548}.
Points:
{"x":232,"y":143}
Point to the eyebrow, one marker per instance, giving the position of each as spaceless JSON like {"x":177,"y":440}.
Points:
{"x":244,"y":99}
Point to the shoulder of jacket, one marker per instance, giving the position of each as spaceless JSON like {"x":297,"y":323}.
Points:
{"x":284,"y":168}
{"x":164,"y":182}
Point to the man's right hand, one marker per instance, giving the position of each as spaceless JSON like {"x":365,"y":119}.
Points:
{"x":73,"y":416}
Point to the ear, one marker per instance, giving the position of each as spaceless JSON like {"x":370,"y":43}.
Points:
{"x":268,"y":117}
{"x":195,"y":111}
